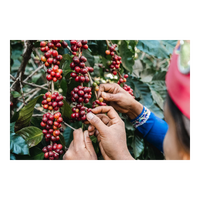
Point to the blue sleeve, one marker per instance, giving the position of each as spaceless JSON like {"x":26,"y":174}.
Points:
{"x":152,"y":127}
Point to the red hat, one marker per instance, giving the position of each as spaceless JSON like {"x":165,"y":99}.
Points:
{"x":178,"y":77}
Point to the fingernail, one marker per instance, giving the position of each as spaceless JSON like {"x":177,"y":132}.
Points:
{"x":90,"y":116}
{"x":86,"y":134}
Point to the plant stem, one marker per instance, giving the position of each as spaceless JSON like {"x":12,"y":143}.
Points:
{"x":20,"y":82}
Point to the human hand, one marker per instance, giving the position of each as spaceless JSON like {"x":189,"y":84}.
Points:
{"x":93,"y":131}
{"x":81,"y":147}
{"x":110,"y":133}
{"x":119,"y":99}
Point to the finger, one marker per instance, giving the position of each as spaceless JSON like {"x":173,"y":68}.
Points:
{"x":111,"y":113}
{"x":78,"y":139}
{"x":88,"y":143}
{"x":112,"y":97}
{"x":104,"y":118}
{"x":91,"y":128}
{"x":108,"y":87}
{"x":96,"y":122}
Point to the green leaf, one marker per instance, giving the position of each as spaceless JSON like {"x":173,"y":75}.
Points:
{"x":26,"y":113}
{"x":93,"y":138}
{"x":68,"y":136}
{"x":18,"y":145}
{"x":32,"y":135}
{"x":156,"y":110}
{"x":12,"y":156}
{"x":66,"y":59}
{"x":36,"y":156}
{"x":62,"y":140}
{"x":158,"y":91}
{"x":89,"y":56}
{"x":36,"y":77}
{"x":157,"y":48}
{"x":141,"y":90}
{"x":158,"y":99}
{"x":66,"y":110}
{"x":127,"y":56}
{"x":15,"y":94}
{"x":137,"y":145}
{"x":159,"y":76}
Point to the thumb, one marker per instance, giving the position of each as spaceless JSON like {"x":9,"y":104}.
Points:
{"x":111,"y":97}
{"x":88,"y":143}
{"x":96,"y":122}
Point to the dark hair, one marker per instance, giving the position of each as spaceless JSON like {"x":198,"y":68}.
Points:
{"x":181,"y":130}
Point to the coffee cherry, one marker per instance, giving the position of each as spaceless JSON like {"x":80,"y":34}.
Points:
{"x":114,"y":73}
{"x":43,"y":59}
{"x":61,"y":152}
{"x":101,"y":99}
{"x":60,"y":119}
{"x":44,"y":149}
{"x":54,"y":79}
{"x":64,"y":44}
{"x":49,"y":77}
{"x":49,"y":147}
{"x":97,"y":88}
{"x":83,"y":59}
{"x":125,"y":75}
{"x":54,"y":53}
{"x":60,"y":104}
{"x":42,"y":124}
{"x":44,"y":131}
{"x":50,"y":153}
{"x":82,"y":64}
{"x":81,"y":79}
{"x":73,"y":115}
{"x":57,"y":75}
{"x":85,"y":46}
{"x":73,"y":75}
{"x":107,"y":52}
{"x":59,"y":146}
{"x":46,"y":155}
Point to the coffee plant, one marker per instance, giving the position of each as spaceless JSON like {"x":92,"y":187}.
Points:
{"x":54,"y":84}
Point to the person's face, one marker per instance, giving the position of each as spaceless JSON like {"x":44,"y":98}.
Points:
{"x":171,"y":145}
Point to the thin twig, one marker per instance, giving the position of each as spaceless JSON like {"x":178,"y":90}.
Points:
{"x":37,"y":115}
{"x":69,"y":49}
{"x":34,"y":85}
{"x":14,"y":82}
{"x":42,"y":66}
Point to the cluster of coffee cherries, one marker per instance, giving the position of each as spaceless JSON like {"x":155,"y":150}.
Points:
{"x":54,"y":73}
{"x":52,"y":152}
{"x":80,"y":112}
{"x":76,"y":45}
{"x":125,"y":86}
{"x":52,"y":129}
{"x":52,"y":101}
{"x":98,"y":102}
{"x":81,"y":94}
{"x":52,"y":126}
{"x":80,"y":70}
{"x":114,"y":65}
{"x":51,"y":58}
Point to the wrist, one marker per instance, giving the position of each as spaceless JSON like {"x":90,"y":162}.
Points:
{"x":135,"y":109}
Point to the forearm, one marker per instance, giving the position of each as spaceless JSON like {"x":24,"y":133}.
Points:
{"x":152,"y":127}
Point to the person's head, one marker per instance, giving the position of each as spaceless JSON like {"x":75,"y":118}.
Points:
{"x":177,"y":106}
{"x":177,"y":140}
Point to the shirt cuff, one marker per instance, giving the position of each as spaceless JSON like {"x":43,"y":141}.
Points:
{"x":141,"y":118}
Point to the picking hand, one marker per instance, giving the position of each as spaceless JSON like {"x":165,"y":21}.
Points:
{"x":119,"y":99}
{"x":110,"y":133}
{"x":81,"y":147}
